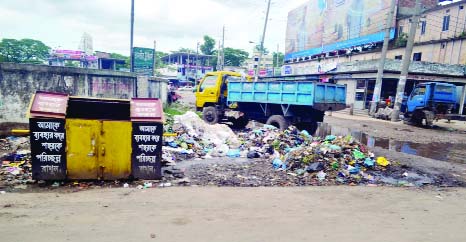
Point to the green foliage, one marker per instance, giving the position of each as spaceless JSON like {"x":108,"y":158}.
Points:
{"x":158,"y":59}
{"x":208,"y":47}
{"x":463,"y":34}
{"x":401,"y":40}
{"x":235,"y":57}
{"x":69,"y":63}
{"x":280,"y":59}
{"x":264,"y":50}
{"x":121,"y":57}
{"x":187,"y":50}
{"x":23,"y":51}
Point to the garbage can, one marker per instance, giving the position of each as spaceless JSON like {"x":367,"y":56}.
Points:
{"x":48,"y":136}
{"x":147,"y":132}
{"x":105,"y":139}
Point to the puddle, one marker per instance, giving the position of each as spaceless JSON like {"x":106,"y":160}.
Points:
{"x":438,"y":151}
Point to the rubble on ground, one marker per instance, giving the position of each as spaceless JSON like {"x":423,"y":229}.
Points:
{"x":293,"y":156}
{"x":16,"y":162}
{"x":260,"y":155}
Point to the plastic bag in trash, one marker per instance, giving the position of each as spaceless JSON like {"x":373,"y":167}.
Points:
{"x":382,"y":161}
{"x":358,"y":155}
{"x":369,"y":162}
{"x":277,"y":164}
{"x":233,"y":153}
{"x":321,"y":175}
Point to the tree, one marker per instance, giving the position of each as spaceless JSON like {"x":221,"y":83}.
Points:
{"x":264,"y":50}
{"x":280,"y":59}
{"x":121,"y":57}
{"x":235,"y":57}
{"x":23,"y":51}
{"x":209,"y":45}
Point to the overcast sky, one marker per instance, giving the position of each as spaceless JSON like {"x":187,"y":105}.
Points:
{"x":173,"y":23}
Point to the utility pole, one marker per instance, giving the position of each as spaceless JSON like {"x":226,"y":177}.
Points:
{"x":188,"y":67}
{"x":276,"y":61}
{"x":378,"y":81}
{"x":223,"y":47}
{"x":406,"y":61}
{"x":218,"y":57}
{"x":197,"y":63}
{"x":262,"y":41}
{"x":155,"y":56}
{"x":131,"y":41}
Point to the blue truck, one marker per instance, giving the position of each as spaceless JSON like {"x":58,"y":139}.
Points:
{"x":430,"y":101}
{"x":228,"y":96}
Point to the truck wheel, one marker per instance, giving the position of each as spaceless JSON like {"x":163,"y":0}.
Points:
{"x":210,"y":115}
{"x":429,"y":116}
{"x":278,"y":121}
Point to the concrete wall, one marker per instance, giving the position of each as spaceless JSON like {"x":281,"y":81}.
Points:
{"x":153,"y":87}
{"x":18,"y":82}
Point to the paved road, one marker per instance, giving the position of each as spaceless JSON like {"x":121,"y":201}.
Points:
{"x":236,"y":214}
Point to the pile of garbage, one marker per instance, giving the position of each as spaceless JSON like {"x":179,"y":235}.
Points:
{"x":340,"y":159}
{"x":16,"y":169}
{"x":197,"y":139}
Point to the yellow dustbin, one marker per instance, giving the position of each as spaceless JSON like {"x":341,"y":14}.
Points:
{"x":107,"y":139}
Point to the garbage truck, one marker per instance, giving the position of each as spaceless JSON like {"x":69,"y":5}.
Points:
{"x":430,"y":101}
{"x":225,"y":96}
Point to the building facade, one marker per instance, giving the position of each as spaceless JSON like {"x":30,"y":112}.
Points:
{"x":189,"y":66}
{"x":440,"y":39}
{"x":266,"y":64}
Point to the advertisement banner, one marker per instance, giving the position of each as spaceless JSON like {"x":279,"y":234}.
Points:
{"x":320,"y":26}
{"x":143,"y":61}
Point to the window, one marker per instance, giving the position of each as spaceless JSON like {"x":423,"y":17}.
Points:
{"x":417,"y":56}
{"x":359,"y":96}
{"x":256,"y":58}
{"x":209,"y":81}
{"x":418,"y":91}
{"x":423,"y":27}
{"x":361,"y":84}
{"x":443,"y":45}
{"x":399,"y":57}
{"x":446,"y":23}
{"x":400,"y":31}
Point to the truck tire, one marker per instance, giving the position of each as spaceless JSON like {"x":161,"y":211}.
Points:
{"x":210,"y":115}
{"x":278,"y":121}
{"x":429,"y":116}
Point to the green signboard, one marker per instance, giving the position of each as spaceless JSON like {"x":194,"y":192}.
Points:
{"x":143,"y":61}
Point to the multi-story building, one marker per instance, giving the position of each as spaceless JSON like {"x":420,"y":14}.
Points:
{"x":343,"y":56}
{"x":189,"y":67}
{"x":266,"y":64}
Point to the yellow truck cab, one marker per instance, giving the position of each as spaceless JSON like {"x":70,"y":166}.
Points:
{"x":209,"y":88}
{"x":211,"y":93}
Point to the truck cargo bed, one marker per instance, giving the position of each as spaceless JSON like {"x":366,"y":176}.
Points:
{"x":288,"y":93}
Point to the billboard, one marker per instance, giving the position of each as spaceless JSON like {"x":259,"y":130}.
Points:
{"x":143,"y":61}
{"x":72,"y":55}
{"x":321,"y":26}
